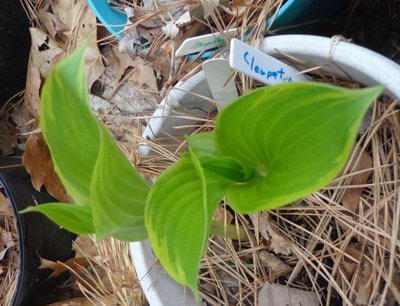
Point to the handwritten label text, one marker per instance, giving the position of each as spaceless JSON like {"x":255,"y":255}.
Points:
{"x":258,"y":69}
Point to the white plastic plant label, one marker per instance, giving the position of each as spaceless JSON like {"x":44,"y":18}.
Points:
{"x":219,"y":77}
{"x":261,"y":66}
{"x":202,"y":43}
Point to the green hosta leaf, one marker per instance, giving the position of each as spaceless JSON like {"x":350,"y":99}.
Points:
{"x":225,"y":168}
{"x":70,"y":129}
{"x":296,"y":136}
{"x":75,"y":218}
{"x":178,"y":218}
{"x":203,"y":145}
{"x":89,"y":163}
{"x":118,"y":194}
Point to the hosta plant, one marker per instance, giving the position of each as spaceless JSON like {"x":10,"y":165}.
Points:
{"x":269,"y":148}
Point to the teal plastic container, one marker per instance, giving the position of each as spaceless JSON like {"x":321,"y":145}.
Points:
{"x":113,"y":20}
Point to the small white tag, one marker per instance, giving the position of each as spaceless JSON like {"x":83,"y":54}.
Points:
{"x":222,"y":84}
{"x":261,"y":66}
{"x":202,"y":43}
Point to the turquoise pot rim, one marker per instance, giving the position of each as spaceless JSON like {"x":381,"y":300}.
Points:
{"x":113,"y":20}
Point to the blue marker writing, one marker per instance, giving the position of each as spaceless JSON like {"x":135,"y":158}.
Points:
{"x":268,"y":74}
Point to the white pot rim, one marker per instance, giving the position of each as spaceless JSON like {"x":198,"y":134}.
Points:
{"x":338,"y":56}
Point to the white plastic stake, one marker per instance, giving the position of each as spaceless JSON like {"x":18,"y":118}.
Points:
{"x":222,"y":84}
{"x":261,"y":66}
{"x":202,"y":43}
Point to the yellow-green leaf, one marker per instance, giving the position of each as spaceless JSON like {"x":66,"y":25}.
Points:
{"x":297,"y":137}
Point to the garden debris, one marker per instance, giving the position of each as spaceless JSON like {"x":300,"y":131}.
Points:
{"x":230,"y":283}
{"x":273,"y":263}
{"x":32,"y":90}
{"x":66,"y":26}
{"x":24,"y":123}
{"x":79,"y":301}
{"x":102,"y":271}
{"x":358,"y":267}
{"x":279,"y":295}
{"x":37,"y":161}
{"x":5,"y":209}
{"x":44,"y":52}
{"x":85,"y":246}
{"x":54,"y":26}
{"x":6,"y":241}
{"x":274,"y":241}
{"x":9,"y":254}
{"x":82,"y":29}
{"x":61,"y":267}
{"x":170,"y":29}
{"x":136,"y":92}
{"x":8,"y":138}
{"x":222,"y":215}
{"x":361,"y":167}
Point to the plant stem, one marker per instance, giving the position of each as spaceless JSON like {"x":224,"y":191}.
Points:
{"x":228,"y":231}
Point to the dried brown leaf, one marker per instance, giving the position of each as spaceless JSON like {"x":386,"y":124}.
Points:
{"x":85,"y":245}
{"x":122,"y":62}
{"x":364,"y":283}
{"x":124,"y":96}
{"x":161,"y":60}
{"x":6,"y":242}
{"x":275,"y":241}
{"x":273,"y":263}
{"x":53,"y":24}
{"x":76,"y":20}
{"x":32,"y":89}
{"x":277,"y":295}
{"x":83,"y":25}
{"x":60,"y":267}
{"x":5,"y":209}
{"x":359,"y":271}
{"x":64,"y":11}
{"x":223,"y":215}
{"x":351,"y":198}
{"x":44,"y":49}
{"x":144,"y":77}
{"x":38,"y":163}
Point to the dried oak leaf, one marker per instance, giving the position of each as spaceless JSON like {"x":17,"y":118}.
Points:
{"x":44,"y":54}
{"x":82,"y":28}
{"x":351,"y":198}
{"x":44,"y":49}
{"x":37,"y":161}
{"x":53,"y":24}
